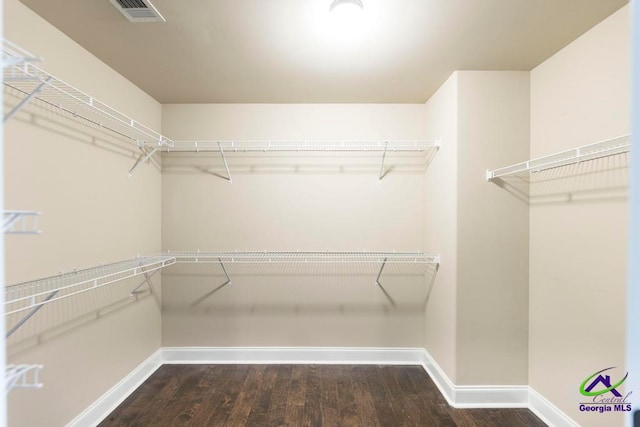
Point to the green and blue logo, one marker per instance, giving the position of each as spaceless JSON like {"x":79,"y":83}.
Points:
{"x":604,"y":393}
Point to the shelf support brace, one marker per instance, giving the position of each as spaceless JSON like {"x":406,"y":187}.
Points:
{"x":384,"y":291}
{"x":22,"y":376}
{"x":12,"y":219}
{"x":216,"y":289}
{"x":29,"y":315}
{"x":26,"y":100}
{"x":228,"y":282}
{"x":226,"y":166}
{"x":147,"y":277}
{"x":380,"y":272}
{"x":143,"y":158}
{"x":384,"y":154}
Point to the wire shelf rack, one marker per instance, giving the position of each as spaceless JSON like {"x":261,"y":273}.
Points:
{"x":20,"y":222}
{"x":223,"y":148}
{"x":609,"y":147}
{"x":22,"y":376}
{"x":34,"y":294}
{"x":28,"y":81}
{"x":300,"y":146}
{"x":304,"y":257}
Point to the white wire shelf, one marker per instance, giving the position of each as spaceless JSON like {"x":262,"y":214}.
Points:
{"x":304,"y":257}
{"x":382,"y":147}
{"x":609,"y":147}
{"x":415,"y":146}
{"x":29,"y":81}
{"x":22,"y":376}
{"x":34,"y":294}
{"x":20,"y":222}
{"x":377,"y":259}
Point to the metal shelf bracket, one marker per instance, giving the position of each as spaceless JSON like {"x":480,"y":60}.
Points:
{"x":29,"y":315}
{"x":22,"y":376}
{"x":26,"y":100}
{"x":380,"y":272}
{"x":147,"y":277}
{"x":384,"y":291}
{"x":228,"y":282}
{"x":17,"y":222}
{"x":226,"y":166}
{"x":144,"y":157}
{"x":384,"y":154}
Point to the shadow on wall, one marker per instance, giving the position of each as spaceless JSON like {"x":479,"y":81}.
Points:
{"x":62,"y":123}
{"x":292,"y":289}
{"x":590,"y":181}
{"x":61,"y":317}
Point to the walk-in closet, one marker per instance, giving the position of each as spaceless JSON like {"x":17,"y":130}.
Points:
{"x":319,"y":213}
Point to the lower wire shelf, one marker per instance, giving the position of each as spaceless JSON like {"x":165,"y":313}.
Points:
{"x":304,"y":257}
{"x":34,"y":294}
{"x":29,"y":297}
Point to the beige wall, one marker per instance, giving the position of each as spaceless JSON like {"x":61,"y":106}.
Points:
{"x":92,"y":213}
{"x":476,"y":318}
{"x":492,"y":221}
{"x":578,"y":217}
{"x":440,"y":225}
{"x":293,"y":202}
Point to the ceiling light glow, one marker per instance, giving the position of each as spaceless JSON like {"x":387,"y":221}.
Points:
{"x":346,"y":12}
{"x":346,"y":6}
{"x":347,"y":17}
{"x":344,"y":24}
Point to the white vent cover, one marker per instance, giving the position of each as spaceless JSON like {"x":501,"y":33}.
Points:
{"x":138,"y":10}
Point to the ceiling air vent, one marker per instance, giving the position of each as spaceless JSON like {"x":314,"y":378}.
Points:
{"x":138,"y":10}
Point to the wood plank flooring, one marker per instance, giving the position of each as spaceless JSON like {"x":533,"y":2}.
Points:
{"x":300,"y":395}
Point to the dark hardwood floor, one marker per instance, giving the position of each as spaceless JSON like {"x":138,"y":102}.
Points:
{"x":300,"y":395}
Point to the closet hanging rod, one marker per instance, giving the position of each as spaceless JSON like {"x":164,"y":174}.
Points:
{"x":315,"y":257}
{"x":27,"y":80}
{"x":301,"y":146}
{"x":609,"y":147}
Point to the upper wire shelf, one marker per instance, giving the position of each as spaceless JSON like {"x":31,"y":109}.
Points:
{"x":34,"y":294}
{"x":300,"y":146}
{"x":20,"y":222}
{"x":29,"y":81}
{"x":22,"y":376}
{"x":609,"y":147}
{"x":304,"y":257}
{"x":346,"y":146}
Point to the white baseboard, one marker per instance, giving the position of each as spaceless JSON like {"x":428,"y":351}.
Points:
{"x":293,"y":355}
{"x":457,"y":396}
{"x":489,"y":396}
{"x":438,"y":376}
{"x":548,"y":412}
{"x":109,"y":401}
